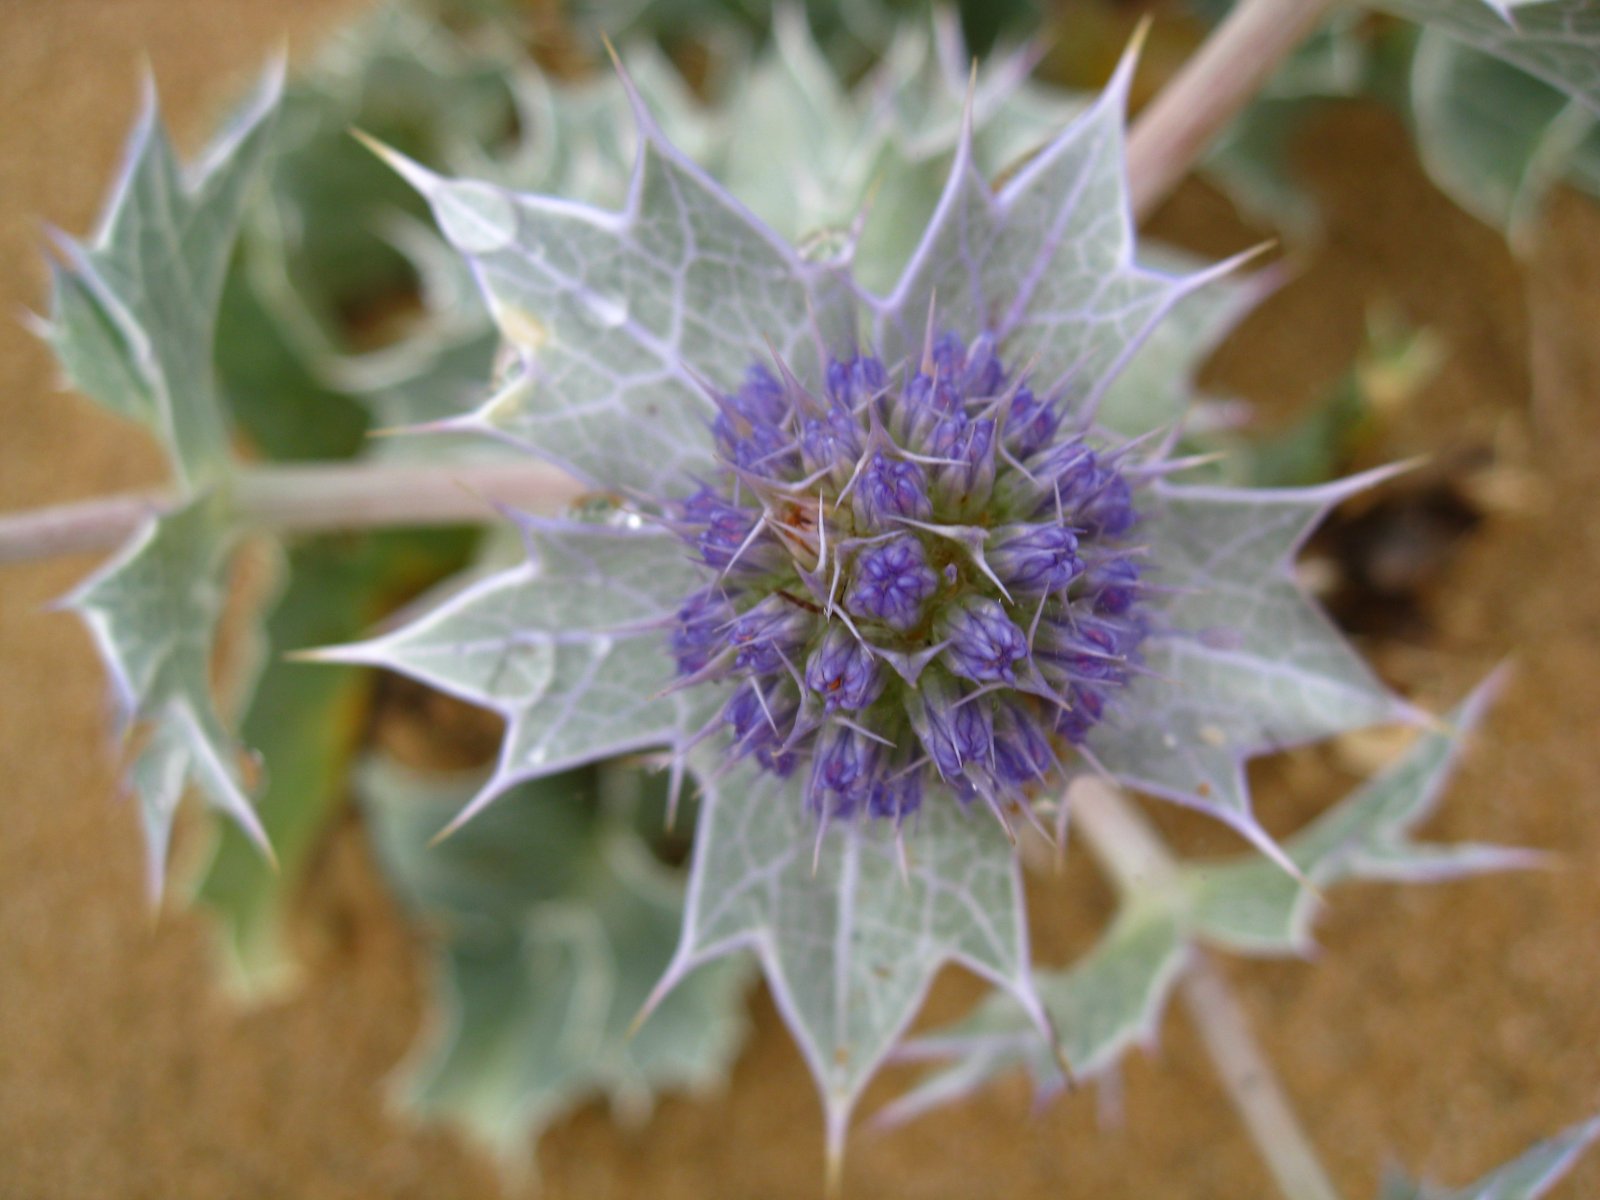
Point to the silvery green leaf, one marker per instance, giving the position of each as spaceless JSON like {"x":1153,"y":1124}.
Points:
{"x":811,"y":158}
{"x":437,"y":376}
{"x":1251,"y":906}
{"x":570,"y":648}
{"x":135,"y":309}
{"x":1246,"y":662}
{"x":1492,"y":136}
{"x":1526,"y":1177}
{"x":551,"y":923}
{"x":917,"y":102}
{"x":152,"y":610}
{"x":1156,"y":389}
{"x":925,"y":86}
{"x":339,"y":243}
{"x":851,"y":923}
{"x":1108,"y":1001}
{"x":805,"y":155}
{"x":604,"y":309}
{"x":1114,"y":995}
{"x":1045,"y":262}
{"x":794,"y":150}
{"x":1557,"y":41}
{"x":848,"y":31}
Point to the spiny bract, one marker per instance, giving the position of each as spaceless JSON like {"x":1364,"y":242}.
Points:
{"x":922,"y":574}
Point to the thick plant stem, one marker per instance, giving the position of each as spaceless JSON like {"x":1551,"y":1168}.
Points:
{"x":1250,"y":1083}
{"x":306,"y":499}
{"x":1137,"y":860}
{"x":1212,"y":87}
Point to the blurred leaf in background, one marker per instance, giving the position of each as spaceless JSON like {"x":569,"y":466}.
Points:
{"x":306,"y":722}
{"x":551,"y":920}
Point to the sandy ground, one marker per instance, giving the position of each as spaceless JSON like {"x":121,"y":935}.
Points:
{"x":1445,"y":1028}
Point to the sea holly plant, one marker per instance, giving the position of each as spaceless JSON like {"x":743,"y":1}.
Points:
{"x":866,"y":536}
{"x":912,"y":577}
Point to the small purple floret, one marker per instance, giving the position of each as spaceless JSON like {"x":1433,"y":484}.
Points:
{"x":700,"y":630}
{"x":1114,"y":584}
{"x":1022,"y":753}
{"x":844,"y":771}
{"x":889,"y":488}
{"x":897,"y":798}
{"x":760,"y":723}
{"x":893,"y":581}
{"x":770,"y":634}
{"x":1035,"y":558}
{"x":1098,"y":498}
{"x":829,"y":443}
{"x":844,"y":672}
{"x":1030,"y":424}
{"x":723,"y":527}
{"x":854,"y":382}
{"x":984,"y":642}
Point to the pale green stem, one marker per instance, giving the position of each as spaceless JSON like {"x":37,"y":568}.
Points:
{"x":323,"y":497}
{"x":1137,"y":860}
{"x":1212,"y":88}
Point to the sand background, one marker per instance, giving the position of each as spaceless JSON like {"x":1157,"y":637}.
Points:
{"x":1445,"y":1027}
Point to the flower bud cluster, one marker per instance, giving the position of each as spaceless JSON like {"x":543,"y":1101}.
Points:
{"x":920,"y":578}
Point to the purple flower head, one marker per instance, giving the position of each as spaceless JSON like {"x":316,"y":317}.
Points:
{"x":830,"y":443}
{"x":897,"y":795}
{"x":892,"y":582}
{"x":1030,"y":424}
{"x":1114,"y":586}
{"x":844,"y":672}
{"x":1022,"y":753}
{"x":921,"y":585}
{"x":844,"y":771}
{"x":889,"y":488}
{"x":983,"y":641}
{"x":1035,"y":558}
{"x":769,"y":635}
{"x":699,"y":631}
{"x":760,"y":723}
{"x":852,"y":383}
